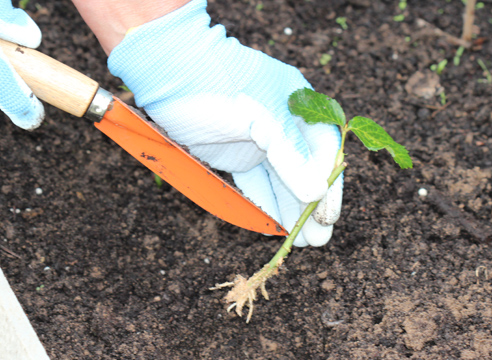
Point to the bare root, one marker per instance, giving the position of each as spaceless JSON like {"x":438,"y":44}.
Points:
{"x":244,"y":290}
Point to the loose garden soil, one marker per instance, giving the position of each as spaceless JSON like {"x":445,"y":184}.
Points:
{"x":109,"y":266}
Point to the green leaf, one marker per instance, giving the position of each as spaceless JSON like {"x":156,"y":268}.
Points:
{"x":375,"y":138}
{"x":316,"y":108}
{"x":158,"y":181}
{"x":125,"y":88}
{"x":399,"y":18}
{"x":324,"y":59}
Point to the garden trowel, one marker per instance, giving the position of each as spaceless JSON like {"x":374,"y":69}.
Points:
{"x":77,"y":94}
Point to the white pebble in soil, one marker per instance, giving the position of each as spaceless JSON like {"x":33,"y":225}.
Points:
{"x":206,"y":261}
{"x":423,"y":192}
{"x":288,"y":31}
{"x":38,"y":191}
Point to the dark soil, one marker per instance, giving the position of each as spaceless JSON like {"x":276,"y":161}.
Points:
{"x":109,"y":266}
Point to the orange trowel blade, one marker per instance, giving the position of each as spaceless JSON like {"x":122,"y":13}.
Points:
{"x":174,"y":165}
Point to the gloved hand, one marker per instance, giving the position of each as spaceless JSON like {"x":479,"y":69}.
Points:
{"x":16,"y":99}
{"x":228,"y":104}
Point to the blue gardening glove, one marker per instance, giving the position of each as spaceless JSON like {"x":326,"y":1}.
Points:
{"x":228,"y":104}
{"x":16,"y":99}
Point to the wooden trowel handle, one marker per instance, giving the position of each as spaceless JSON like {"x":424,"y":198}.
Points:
{"x":50,"y":80}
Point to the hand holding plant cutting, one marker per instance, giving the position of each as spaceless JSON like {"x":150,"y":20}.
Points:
{"x":314,"y":108}
{"x":228,"y":104}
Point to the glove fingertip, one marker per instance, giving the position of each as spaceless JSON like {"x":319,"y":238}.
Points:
{"x":300,"y":241}
{"x":315,"y":234}
{"x":30,"y":119}
{"x":22,"y":30}
{"x":329,"y":208}
{"x":31,"y":37}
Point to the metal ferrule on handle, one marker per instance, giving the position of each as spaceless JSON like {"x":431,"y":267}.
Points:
{"x":102,"y":102}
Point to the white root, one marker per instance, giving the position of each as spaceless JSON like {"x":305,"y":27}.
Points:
{"x":243,"y":292}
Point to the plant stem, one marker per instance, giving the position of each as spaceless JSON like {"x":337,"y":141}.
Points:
{"x":276,"y":261}
{"x":287,"y":245}
{"x":340,"y":155}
